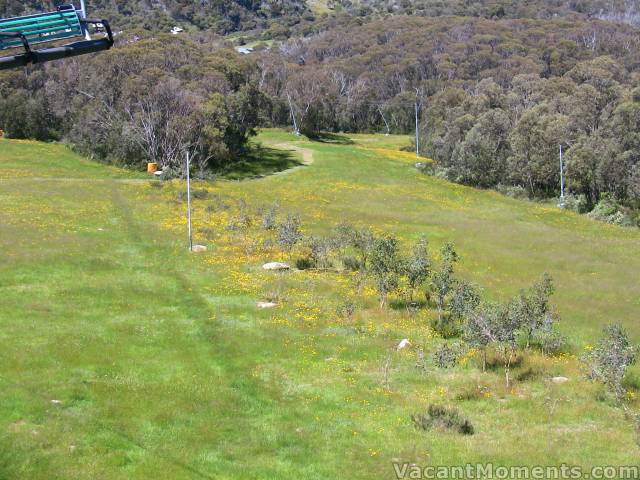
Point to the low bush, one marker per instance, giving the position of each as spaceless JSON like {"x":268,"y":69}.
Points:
{"x":268,"y":217}
{"x":443,"y":418}
{"x":346,"y":310}
{"x":576,"y":203}
{"x":530,"y":373}
{"x":610,"y":359}
{"x":304,"y":263}
{"x":609,"y":210}
{"x":513,"y":191}
{"x":445,"y":327}
{"x":351,"y":263}
{"x":473,"y":392}
{"x":446,"y":356}
{"x":631,"y":381}
{"x":550,"y":342}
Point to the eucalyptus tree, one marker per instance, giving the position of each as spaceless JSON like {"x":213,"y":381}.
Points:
{"x":610,"y":359}
{"x":417,"y":267}
{"x":385,"y":266}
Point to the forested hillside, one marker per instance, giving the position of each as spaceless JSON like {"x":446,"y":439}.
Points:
{"x":146,"y":99}
{"x":499,"y":87}
{"x":222,"y":16}
{"x":625,"y":11}
{"x":278,"y":18}
{"x":497,"y":98}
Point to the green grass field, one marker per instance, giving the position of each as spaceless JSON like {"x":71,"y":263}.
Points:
{"x":125,"y":356}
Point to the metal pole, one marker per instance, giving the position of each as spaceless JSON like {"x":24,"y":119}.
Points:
{"x":83,"y":15}
{"x":189,"y":203}
{"x":417,"y":128}
{"x":561,"y":179}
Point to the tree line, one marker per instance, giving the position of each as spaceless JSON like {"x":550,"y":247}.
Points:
{"x":624,"y":11}
{"x":148,"y":100}
{"x":220,"y":16}
{"x":496,"y":99}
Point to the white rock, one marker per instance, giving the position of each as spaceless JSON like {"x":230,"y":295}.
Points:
{"x":198,"y":248}
{"x":56,"y":402}
{"x":559,"y":380}
{"x":403,"y":344}
{"x":266,"y":304}
{"x":276,"y":266}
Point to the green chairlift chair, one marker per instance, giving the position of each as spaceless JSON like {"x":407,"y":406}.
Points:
{"x":66,"y":22}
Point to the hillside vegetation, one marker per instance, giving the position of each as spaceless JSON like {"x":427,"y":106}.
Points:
{"x":279,"y":18}
{"x":125,"y":356}
{"x":624,"y":11}
{"x":496,"y":96}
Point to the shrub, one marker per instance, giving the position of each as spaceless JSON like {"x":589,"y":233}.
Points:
{"x":576,"y":203}
{"x":343,"y":235}
{"x":549,"y":341}
{"x":351,"y":263}
{"x":531,"y":310}
{"x":610,"y":359}
{"x":418,"y":267}
{"x":513,"y":191}
{"x":497,"y":325}
{"x":304,"y":263}
{"x":464,"y":301}
{"x":320,"y":248}
{"x":443,"y":418}
{"x":631,"y":381}
{"x":473,"y":392}
{"x":609,"y":210}
{"x":385,"y":264}
{"x":446,"y":356}
{"x":445,"y":327}
{"x":289,"y":233}
{"x":442,"y":279}
{"x":362,"y":241}
{"x":530,"y":373}
{"x":268,"y":217}
{"x":240,"y":220}
{"x":346,"y":310}
{"x":605,"y":208}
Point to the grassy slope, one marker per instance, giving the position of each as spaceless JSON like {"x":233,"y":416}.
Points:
{"x":165,"y":369}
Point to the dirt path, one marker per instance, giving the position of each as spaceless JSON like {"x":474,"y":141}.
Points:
{"x":307,"y":156}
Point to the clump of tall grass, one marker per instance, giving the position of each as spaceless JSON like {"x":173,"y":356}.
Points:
{"x":443,"y":418}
